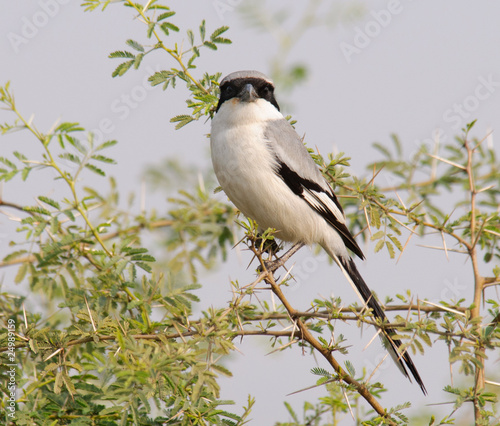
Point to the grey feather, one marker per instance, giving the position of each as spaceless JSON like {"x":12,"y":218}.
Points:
{"x":284,"y":141}
{"x":246,"y":74}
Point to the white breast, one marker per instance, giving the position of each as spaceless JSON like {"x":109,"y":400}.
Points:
{"x":246,"y":169}
{"x":242,"y":161}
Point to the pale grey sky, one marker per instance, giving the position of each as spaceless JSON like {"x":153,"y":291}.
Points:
{"x":402,"y":67}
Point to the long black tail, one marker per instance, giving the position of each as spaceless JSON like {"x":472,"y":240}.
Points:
{"x":403,"y":359}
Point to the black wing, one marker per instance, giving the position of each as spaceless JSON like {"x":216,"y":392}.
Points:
{"x":322,"y":200}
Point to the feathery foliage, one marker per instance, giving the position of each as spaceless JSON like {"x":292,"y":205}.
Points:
{"x":114,"y":338}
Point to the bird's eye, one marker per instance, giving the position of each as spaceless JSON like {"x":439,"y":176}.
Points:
{"x":266,"y":90}
{"x":228,"y":91}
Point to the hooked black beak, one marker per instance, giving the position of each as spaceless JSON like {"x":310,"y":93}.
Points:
{"x":248,"y":93}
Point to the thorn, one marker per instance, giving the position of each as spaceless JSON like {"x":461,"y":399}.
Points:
{"x":444,"y":160}
{"x":367,"y":221}
{"x":444,"y":246}
{"x":348,"y":403}
{"x":377,"y":367}
{"x":90,"y":315}
{"x":24,"y":315}
{"x":283,"y":347}
{"x":443,"y":307}
{"x":372,"y":339}
{"x":55,"y":353}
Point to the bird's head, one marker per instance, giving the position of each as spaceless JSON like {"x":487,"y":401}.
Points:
{"x":247,"y":86}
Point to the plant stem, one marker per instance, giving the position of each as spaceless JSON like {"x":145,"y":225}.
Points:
{"x":44,"y":139}
{"x":172,"y":53}
{"x":306,"y":335}
{"x":478,"y":285}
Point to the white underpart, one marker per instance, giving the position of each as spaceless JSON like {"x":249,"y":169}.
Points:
{"x":245,"y":166}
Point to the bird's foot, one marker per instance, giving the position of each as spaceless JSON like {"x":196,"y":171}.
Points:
{"x":268,"y":246}
{"x":273,"y":265}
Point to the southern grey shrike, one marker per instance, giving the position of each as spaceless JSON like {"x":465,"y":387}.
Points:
{"x":265,"y":170}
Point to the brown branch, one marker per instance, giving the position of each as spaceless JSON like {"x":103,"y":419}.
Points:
{"x":328,"y":314}
{"x":157,"y":337}
{"x":268,"y":269}
{"x":14,"y":206}
{"x":27,"y":259}
{"x":306,"y":335}
{"x":478,"y":282}
{"x":263,"y":332}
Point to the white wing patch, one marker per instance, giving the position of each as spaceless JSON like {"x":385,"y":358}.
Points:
{"x":323,"y":201}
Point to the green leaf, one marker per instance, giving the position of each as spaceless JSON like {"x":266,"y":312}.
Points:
{"x":71,"y":157}
{"x":68,"y":383}
{"x":7,"y":176}
{"x":68,"y":128}
{"x":95,"y":169}
{"x":19,"y":156}
{"x":103,"y":159}
{"x":143,"y":257}
{"x":69,"y":214}
{"x":396,"y":242}
{"x":210,"y":45}
{"x":58,"y":383}
{"x":50,"y":202}
{"x":74,"y":142}
{"x":25,"y":172}
{"x":181,"y":120}
{"x":151,"y":28}
{"x":390,"y":249}
{"x":318,"y":371}
{"x":121,"y":54}
{"x":106,"y":144}
{"x":162,"y":77}
{"x":166,"y":26}
{"x":37,"y":209}
{"x":377,"y":235}
{"x":218,"y":32}
{"x":122,"y":68}
{"x":8,"y":163}
{"x":144,"y":266}
{"x":135,"y":45}
{"x":138,"y":60}
{"x":202,"y":30}
{"x":350,"y":368}
{"x":21,"y":273}
{"x":165,"y":15}
{"x":190,"y":35}
{"x":222,"y":40}
{"x":291,"y":412}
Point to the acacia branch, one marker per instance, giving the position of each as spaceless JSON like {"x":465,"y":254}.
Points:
{"x":306,"y":335}
{"x":155,"y":337}
{"x":132,"y":230}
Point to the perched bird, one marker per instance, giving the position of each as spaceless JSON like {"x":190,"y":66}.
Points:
{"x":265,"y":170}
